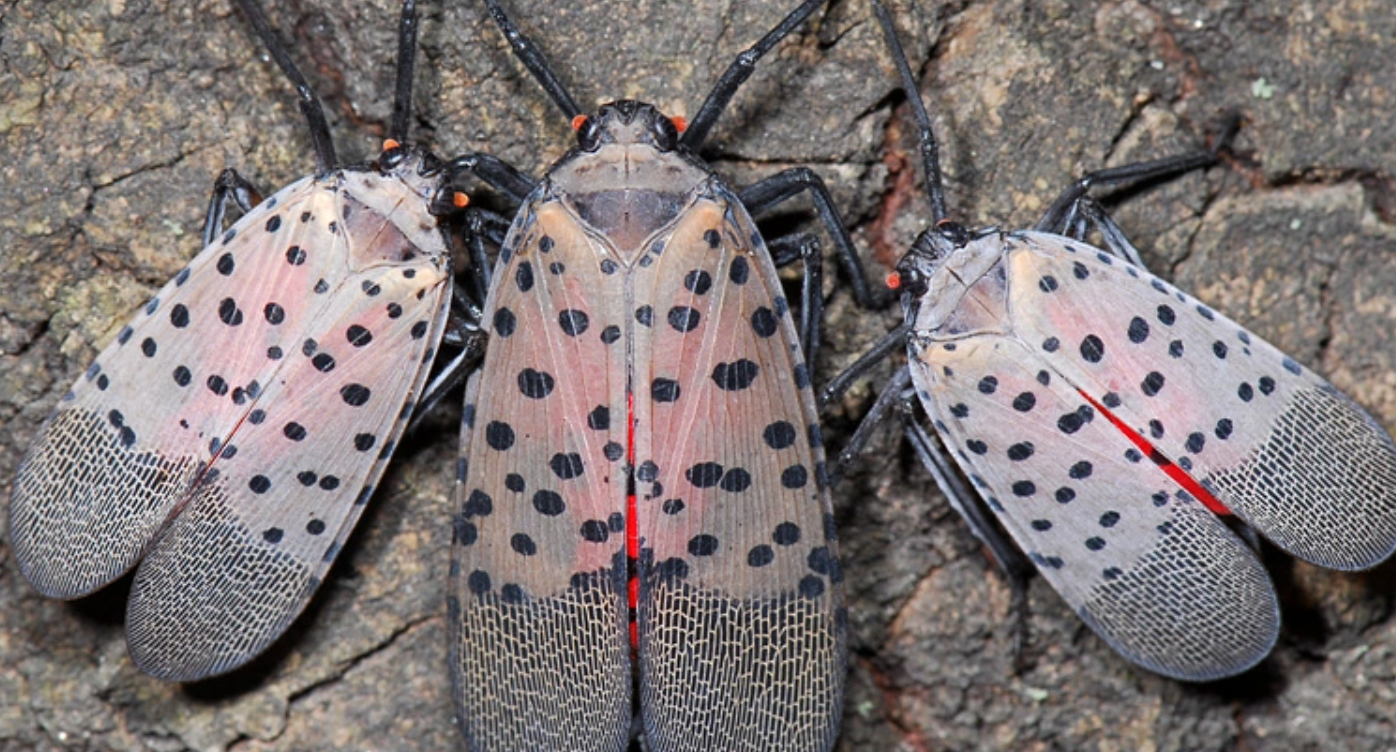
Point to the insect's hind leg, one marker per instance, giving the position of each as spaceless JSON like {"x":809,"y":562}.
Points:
{"x":786,"y":250}
{"x":1087,"y":214}
{"x":230,"y":186}
{"x":787,"y":184}
{"x":1016,"y":567}
{"x":897,"y":399}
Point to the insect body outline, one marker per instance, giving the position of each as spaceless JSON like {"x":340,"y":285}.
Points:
{"x":1110,"y":420}
{"x":642,"y":502}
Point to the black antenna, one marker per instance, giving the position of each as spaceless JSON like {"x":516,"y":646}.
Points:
{"x":737,"y":73}
{"x":532,"y":59}
{"x":310,"y":104}
{"x":406,"y":65}
{"x":930,"y":151}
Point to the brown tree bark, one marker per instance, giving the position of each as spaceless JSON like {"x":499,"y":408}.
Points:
{"x":116,"y":117}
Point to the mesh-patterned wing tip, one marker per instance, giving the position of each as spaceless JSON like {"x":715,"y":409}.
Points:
{"x":210,"y":596}
{"x":1236,"y":657}
{"x":1217,"y":621}
{"x":84,"y":506}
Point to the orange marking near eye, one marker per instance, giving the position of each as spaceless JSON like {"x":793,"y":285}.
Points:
{"x":460,"y":200}
{"x":894,"y":281}
{"x":390,"y":144}
{"x":680,"y":123}
{"x":578,"y":122}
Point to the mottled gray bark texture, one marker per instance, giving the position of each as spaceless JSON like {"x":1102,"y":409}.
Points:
{"x":115,"y":118}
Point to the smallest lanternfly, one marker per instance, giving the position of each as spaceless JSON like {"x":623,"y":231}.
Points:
{"x":1111,"y":421}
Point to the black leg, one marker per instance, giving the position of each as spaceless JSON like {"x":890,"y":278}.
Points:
{"x":897,"y":397}
{"x":1088,"y":213}
{"x":309,"y":103}
{"x":967,"y":503}
{"x":1021,"y":615}
{"x":1016,"y":567}
{"x":483,"y":225}
{"x":482,"y":272}
{"x":499,"y":174}
{"x":465,"y":308}
{"x":406,"y":65}
{"x":528,"y":53}
{"x":738,"y":72}
{"x":784,"y":185}
{"x":886,"y":402}
{"x":894,"y":340}
{"x":465,"y":332}
{"x":1065,"y":205}
{"x":926,"y":139}
{"x":787,"y":249}
{"x":230,"y":186}
{"x":804,"y":247}
{"x":491,"y":225}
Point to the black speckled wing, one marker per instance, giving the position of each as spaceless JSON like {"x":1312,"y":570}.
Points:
{"x":1147,"y":566}
{"x":1269,"y":438}
{"x":233,"y":431}
{"x":740,"y":611}
{"x":539,"y":645}
{"x":641,"y":440}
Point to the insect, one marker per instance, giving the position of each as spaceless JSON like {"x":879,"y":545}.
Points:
{"x":1111,"y":422}
{"x":228,"y":439}
{"x":643,"y":524}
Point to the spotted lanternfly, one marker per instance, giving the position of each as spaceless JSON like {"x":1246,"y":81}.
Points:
{"x":230,"y":436}
{"x":643,"y":527}
{"x":1110,"y":421}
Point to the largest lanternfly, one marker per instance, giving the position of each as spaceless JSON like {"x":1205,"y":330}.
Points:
{"x":643,"y":522}
{"x":1111,"y":422}
{"x":230,"y":436}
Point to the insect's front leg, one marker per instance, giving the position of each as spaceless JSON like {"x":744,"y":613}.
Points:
{"x":230,"y":186}
{"x":497,"y":173}
{"x":787,"y":184}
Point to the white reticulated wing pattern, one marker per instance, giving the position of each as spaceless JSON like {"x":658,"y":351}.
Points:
{"x":1038,"y":356}
{"x":228,"y":439}
{"x":666,"y":364}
